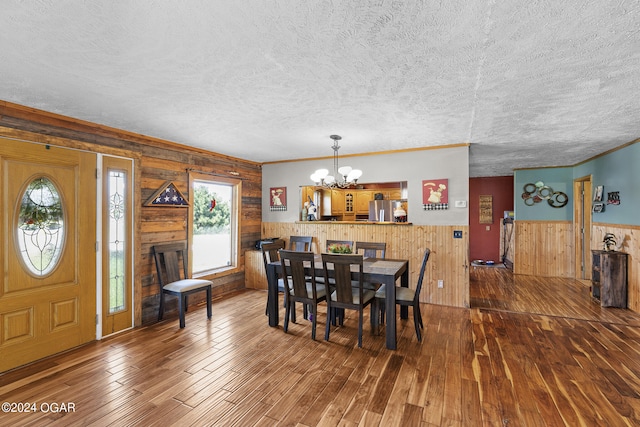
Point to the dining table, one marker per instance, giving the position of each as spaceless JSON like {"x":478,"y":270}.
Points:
{"x":375,"y":270}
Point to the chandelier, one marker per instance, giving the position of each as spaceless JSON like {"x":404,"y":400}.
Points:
{"x":343,"y":177}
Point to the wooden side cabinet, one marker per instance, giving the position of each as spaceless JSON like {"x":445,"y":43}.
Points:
{"x":609,"y":278}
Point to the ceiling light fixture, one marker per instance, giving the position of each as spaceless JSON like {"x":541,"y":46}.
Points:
{"x":346,"y":176}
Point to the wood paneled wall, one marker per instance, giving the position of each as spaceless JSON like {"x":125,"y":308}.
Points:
{"x":449,"y":259}
{"x":628,"y":238}
{"x":156,"y":161}
{"x":544,"y":248}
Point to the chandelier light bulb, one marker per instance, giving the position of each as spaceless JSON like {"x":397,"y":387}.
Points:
{"x":344,"y":170}
{"x":322,"y":173}
{"x":354,"y":175}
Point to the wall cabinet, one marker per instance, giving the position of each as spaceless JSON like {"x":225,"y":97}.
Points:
{"x":609,"y":278}
{"x":363,"y":197}
{"x":392,"y":194}
{"x":332,"y":203}
{"x":349,"y":200}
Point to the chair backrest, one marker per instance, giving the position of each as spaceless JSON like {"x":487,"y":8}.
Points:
{"x":168,"y":257}
{"x":342,"y":275}
{"x":425,"y":258}
{"x":270,"y":252}
{"x":338,"y":243}
{"x":293,"y":266}
{"x":300,"y":243}
{"x":371,"y":249}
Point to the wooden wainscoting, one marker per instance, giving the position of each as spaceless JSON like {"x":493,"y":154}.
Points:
{"x":449,"y":260}
{"x":254,"y":275}
{"x":628,"y":237}
{"x":544,"y":248}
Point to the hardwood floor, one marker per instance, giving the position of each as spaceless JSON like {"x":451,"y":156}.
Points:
{"x":566,"y":362}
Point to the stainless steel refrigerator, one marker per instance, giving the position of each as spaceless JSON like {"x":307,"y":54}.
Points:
{"x":381,"y":210}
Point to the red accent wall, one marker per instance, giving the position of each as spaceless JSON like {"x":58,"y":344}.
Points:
{"x":485,"y":244}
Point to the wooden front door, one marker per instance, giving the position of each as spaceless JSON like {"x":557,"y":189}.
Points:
{"x":48,"y":251}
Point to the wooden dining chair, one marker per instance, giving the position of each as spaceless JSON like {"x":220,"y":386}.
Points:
{"x":346,"y":293}
{"x":300,"y":243}
{"x":270,"y":253}
{"x":371,"y":250}
{"x":301,"y":287}
{"x":173,"y":280}
{"x":406,"y":297}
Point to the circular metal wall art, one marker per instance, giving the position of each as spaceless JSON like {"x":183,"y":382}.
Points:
{"x":535,"y":193}
{"x":558,"y":199}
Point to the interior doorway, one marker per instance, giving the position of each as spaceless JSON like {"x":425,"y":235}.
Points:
{"x":582,"y":227}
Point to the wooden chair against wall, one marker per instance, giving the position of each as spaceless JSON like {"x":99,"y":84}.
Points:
{"x":407,"y":297}
{"x":346,"y":294}
{"x":300,"y":286}
{"x":168,"y":258}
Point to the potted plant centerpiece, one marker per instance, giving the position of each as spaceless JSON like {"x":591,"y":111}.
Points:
{"x":340,"y":248}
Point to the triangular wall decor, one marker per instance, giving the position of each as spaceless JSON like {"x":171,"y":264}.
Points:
{"x":168,"y":195}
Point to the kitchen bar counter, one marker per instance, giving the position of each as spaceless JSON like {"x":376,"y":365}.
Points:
{"x":355,"y":222}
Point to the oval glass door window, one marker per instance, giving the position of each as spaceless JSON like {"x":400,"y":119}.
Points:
{"x":40,"y":227}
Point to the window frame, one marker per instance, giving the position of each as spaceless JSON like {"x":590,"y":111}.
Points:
{"x":235,"y":224}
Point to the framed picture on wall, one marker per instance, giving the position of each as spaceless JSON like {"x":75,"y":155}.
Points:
{"x":597,"y":194}
{"x":486,"y":209}
{"x":598,"y":207}
{"x":278,"y":201}
{"x":435,"y":194}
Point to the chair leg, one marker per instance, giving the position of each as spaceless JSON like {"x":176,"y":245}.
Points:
{"x":182,"y":308}
{"x":287,"y":313}
{"x":417,"y":307}
{"x":161,"y":308}
{"x":209,"y":302}
{"x":373,"y":316}
{"x":314,"y":312}
{"x":360,"y":320}
{"x":416,"y":322}
{"x":330,"y":318}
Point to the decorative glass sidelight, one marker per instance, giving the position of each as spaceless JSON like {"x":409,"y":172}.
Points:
{"x":40,"y":226}
{"x":117,"y":241}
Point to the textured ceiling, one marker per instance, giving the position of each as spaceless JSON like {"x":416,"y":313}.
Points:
{"x":526,"y":83}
